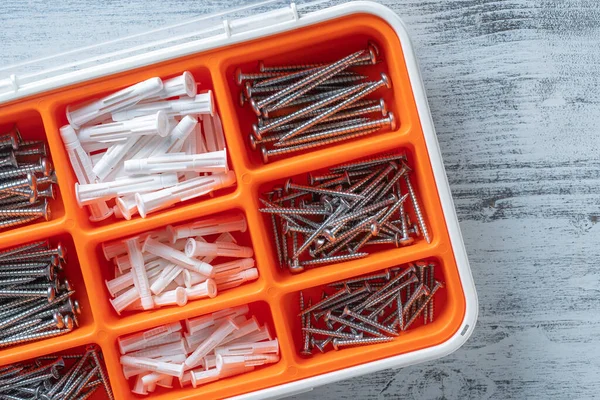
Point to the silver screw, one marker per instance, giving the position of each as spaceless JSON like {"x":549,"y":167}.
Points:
{"x":60,"y":251}
{"x":417,"y":208}
{"x":330,"y":70}
{"x":241,"y":77}
{"x":325,"y":100}
{"x":10,"y":139}
{"x":41,"y":210}
{"x":42,"y":167}
{"x":338,"y":343}
{"x":8,"y":159}
{"x":103,"y":375}
{"x":344,"y":104}
{"x":29,"y":181}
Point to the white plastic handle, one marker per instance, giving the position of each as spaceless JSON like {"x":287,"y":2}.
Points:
{"x":187,"y":190}
{"x":82,"y":166}
{"x":96,"y":110}
{"x":182,"y":85}
{"x":141,"y":340}
{"x":165,"y":350}
{"x":174,"y":143}
{"x":194,"y":248}
{"x":215,"y":162}
{"x":235,"y":280}
{"x":197,"y":324}
{"x":153,"y":246}
{"x":202,"y":290}
{"x":153,"y":365}
{"x":211,"y":343}
{"x":140,"y":279}
{"x":155,"y":124}
{"x":233,"y":267}
{"x":249,"y":348}
{"x":208,"y":226}
{"x":201,"y":104}
{"x":172,"y":297}
{"x":91,"y":193}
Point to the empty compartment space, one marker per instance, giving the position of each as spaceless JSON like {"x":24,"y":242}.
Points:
{"x":72,"y":273}
{"x":447,"y":314}
{"x":239,"y":268}
{"x":324,"y":43}
{"x":388,"y":243}
{"x":31,"y":128}
{"x":62,"y":362}
{"x":83,"y":93}
{"x":261,"y":377}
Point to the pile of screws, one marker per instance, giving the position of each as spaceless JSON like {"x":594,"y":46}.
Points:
{"x":26,"y":180}
{"x":337,"y":216}
{"x":301,"y":107}
{"x":225,"y":343}
{"x":34,"y":303}
{"x":51,"y":377}
{"x":173,"y":265}
{"x":369,"y":309}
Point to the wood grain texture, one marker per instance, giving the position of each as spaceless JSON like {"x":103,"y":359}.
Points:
{"x":513,"y":87}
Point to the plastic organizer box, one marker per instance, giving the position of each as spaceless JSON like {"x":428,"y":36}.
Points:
{"x":212,"y":47}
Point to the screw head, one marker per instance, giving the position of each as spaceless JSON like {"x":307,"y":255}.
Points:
{"x":392,"y":120}
{"x":255,"y":108}
{"x":58,"y":320}
{"x":265,"y":155}
{"x":248,"y":90}
{"x":46,"y":166}
{"x":383,"y":107}
{"x":386,"y":80}
{"x":252,"y":140}
{"x":68,"y":320}
{"x":32,"y":182}
{"x":286,"y":186}
{"x":51,"y":293}
{"x":238,"y":76}
{"x":47,"y":214}
{"x":61,"y":252}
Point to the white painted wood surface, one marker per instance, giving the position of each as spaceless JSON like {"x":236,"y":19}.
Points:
{"x":514,"y":88}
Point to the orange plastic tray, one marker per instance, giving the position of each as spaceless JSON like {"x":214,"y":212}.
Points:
{"x":273,"y":297}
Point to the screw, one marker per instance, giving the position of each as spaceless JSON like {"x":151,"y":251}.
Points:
{"x":337,"y":343}
{"x":361,"y":328}
{"x":60,"y":251}
{"x":326,"y":332}
{"x":43,"y":167}
{"x":334,"y":259}
{"x":327,"y":134}
{"x":41,"y":210}
{"x":49,"y":293}
{"x":29,"y":181}
{"x":324,"y":99}
{"x":241,"y":77}
{"x":319,"y":76}
{"x":362,"y":318}
{"x":8,"y":159}
{"x":306,"y":334}
{"x":103,"y":374}
{"x":344,"y":104}
{"x":10,"y":139}
{"x":420,"y":219}
{"x":430,"y":294}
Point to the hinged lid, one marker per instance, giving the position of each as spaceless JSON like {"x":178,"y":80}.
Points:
{"x":200,"y":33}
